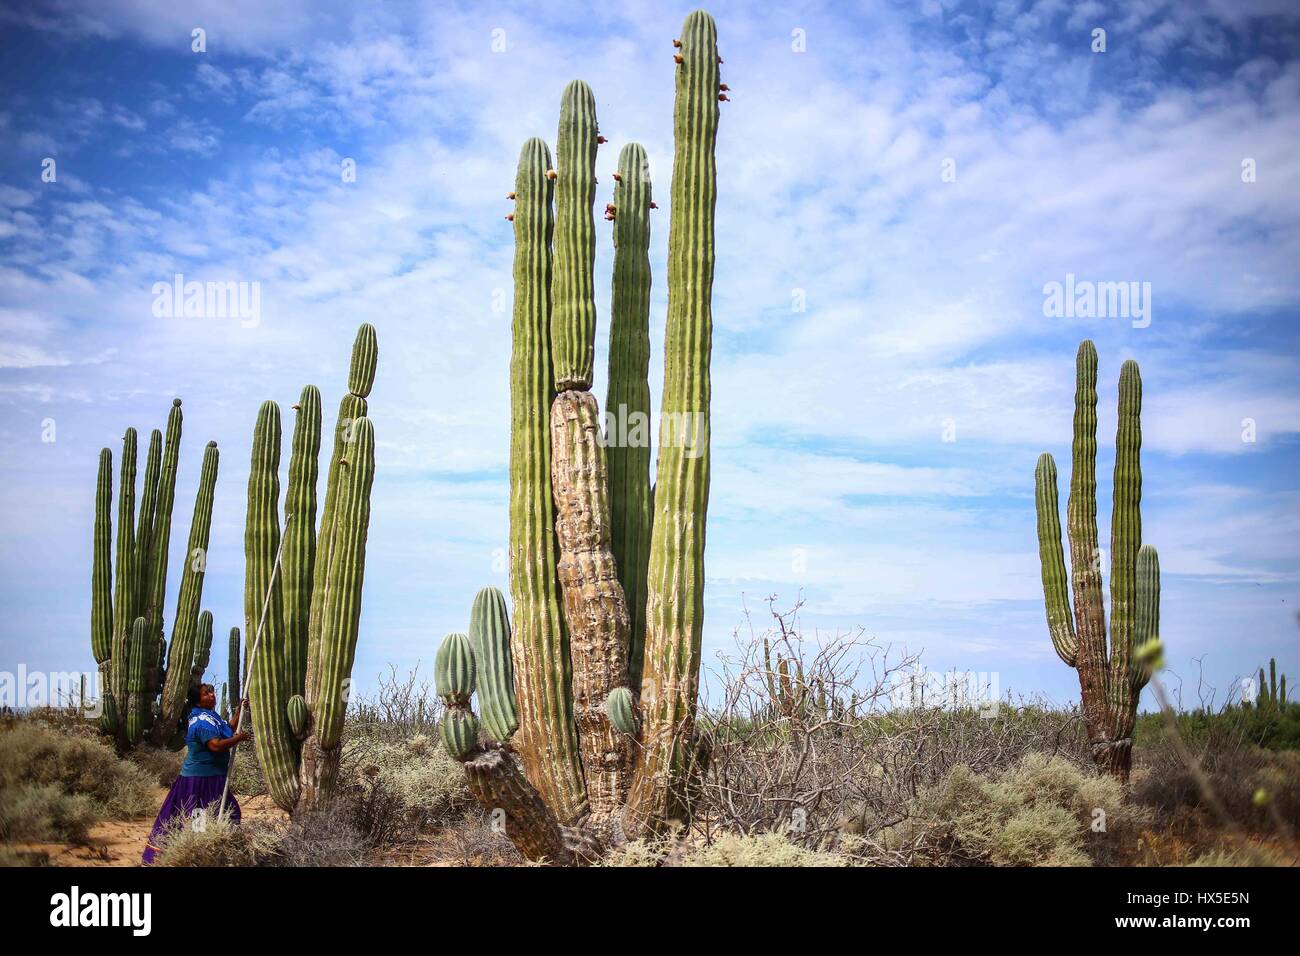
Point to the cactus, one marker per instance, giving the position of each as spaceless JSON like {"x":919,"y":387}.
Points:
{"x":139,"y":653}
{"x":202,"y":648}
{"x":573,"y":322}
{"x":233,"y":668}
{"x":184,"y":644}
{"x":1272,"y":692}
{"x":101,"y":590}
{"x":602,"y":759}
{"x":459,"y":731}
{"x":1110,"y":683}
{"x":298,"y":687}
{"x":489,"y":637}
{"x":139,"y":583}
{"x":453,"y":670}
{"x":225,"y":702}
{"x":627,"y":402}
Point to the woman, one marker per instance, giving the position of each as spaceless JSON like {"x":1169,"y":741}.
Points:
{"x":208,"y":741}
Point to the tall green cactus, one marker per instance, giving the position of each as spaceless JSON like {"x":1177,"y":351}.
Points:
{"x":139,"y":583}
{"x":299,"y":683}
{"x":571,"y":672}
{"x":234,"y":663}
{"x":139,"y":653}
{"x":101,"y":591}
{"x":573,"y":325}
{"x":1111,"y":681}
{"x":184,"y":628}
{"x":627,"y":402}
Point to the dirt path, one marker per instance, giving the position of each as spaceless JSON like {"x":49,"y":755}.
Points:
{"x":120,"y":842}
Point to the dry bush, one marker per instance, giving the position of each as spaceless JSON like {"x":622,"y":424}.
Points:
{"x":36,"y":812}
{"x":472,"y":841}
{"x":396,"y":791}
{"x":1045,"y":811}
{"x":37,"y":754}
{"x":213,"y":842}
{"x":402,"y":708}
{"x":325,"y":837}
{"x":11,"y":858}
{"x":813,"y":739}
{"x":163,"y":766}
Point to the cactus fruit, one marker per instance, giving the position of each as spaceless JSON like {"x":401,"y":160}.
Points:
{"x":309,"y":626}
{"x":620,"y":539}
{"x":453,"y":670}
{"x":489,"y":638}
{"x":296,"y":711}
{"x":627,"y":402}
{"x":1110,"y":683}
{"x":621,"y":709}
{"x":459,"y":732}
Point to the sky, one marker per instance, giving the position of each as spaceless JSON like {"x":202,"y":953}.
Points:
{"x":898,"y":184}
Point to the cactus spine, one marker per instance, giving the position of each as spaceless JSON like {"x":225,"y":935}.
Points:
{"x":1110,"y":682}
{"x":573,"y":696}
{"x":299,"y":683}
{"x":627,"y":402}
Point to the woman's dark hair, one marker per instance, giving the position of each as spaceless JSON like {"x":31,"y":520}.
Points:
{"x":196,"y":691}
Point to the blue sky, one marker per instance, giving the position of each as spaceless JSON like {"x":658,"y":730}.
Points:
{"x":863,"y":304}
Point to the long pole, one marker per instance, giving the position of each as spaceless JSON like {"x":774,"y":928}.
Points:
{"x":252,"y":657}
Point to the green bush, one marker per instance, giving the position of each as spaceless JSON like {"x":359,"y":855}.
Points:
{"x":36,"y":812}
{"x":767,"y":849}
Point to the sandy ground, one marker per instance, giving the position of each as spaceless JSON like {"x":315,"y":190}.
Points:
{"x":120,"y":842}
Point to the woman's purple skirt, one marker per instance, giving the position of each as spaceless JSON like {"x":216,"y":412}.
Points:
{"x":187,"y":796}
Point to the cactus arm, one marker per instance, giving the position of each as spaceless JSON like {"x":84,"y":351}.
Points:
{"x":160,"y":546}
{"x":101,"y":591}
{"x":145,"y":520}
{"x":573,"y":324}
{"x":627,"y":401}
{"x":546,"y":739}
{"x":594,"y":607}
{"x":1056,"y":593}
{"x":489,"y":636}
{"x":202,"y":648}
{"x":233,"y":667}
{"x":299,"y":560}
{"x":139,"y":653}
{"x":268,"y":691}
{"x":183,"y":644}
{"x":675,"y":590}
{"x":1146,"y":624}
{"x":124,"y":576}
{"x":340,"y":583}
{"x":1126,"y":536}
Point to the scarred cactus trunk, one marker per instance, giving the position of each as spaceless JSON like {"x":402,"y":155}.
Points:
{"x":594,"y":605}
{"x":1110,"y":679}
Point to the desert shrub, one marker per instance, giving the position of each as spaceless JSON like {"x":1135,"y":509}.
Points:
{"x":162,"y":766}
{"x":1248,"y":855}
{"x":395,"y":791}
{"x":43,"y":811}
{"x":1040,"y":812}
{"x":1267,"y":727}
{"x":471,"y":841}
{"x":34,"y":753}
{"x":766,"y":849}
{"x":325,"y":837}
{"x":10,"y":858}
{"x":246,"y":777}
{"x":215,"y":843}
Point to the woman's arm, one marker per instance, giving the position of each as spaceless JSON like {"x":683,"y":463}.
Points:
{"x":239,"y":712}
{"x":216,"y":746}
